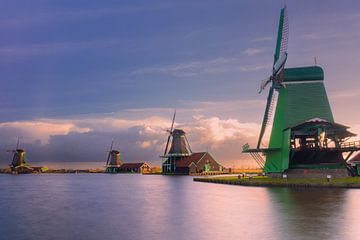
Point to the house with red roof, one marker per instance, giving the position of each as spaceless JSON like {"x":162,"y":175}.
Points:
{"x":199,"y":162}
{"x":141,"y":167}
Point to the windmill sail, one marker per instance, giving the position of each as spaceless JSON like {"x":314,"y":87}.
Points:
{"x":170,"y":133}
{"x":110,"y":150}
{"x":18,"y":142}
{"x":283,"y":35}
{"x":267,"y":113}
{"x":280,"y":58}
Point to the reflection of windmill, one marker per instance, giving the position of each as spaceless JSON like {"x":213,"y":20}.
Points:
{"x":179,"y":149}
{"x":18,"y":163}
{"x":303,"y":134}
{"x":113,"y":162}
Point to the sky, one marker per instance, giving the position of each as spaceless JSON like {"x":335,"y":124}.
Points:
{"x":76,"y":74}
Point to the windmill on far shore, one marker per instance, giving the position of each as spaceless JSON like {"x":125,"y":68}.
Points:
{"x":18,"y":163}
{"x":179,"y":148}
{"x":113,"y":162}
{"x":180,"y":159}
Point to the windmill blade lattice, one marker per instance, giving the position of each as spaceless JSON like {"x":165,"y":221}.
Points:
{"x":276,"y":78}
{"x":170,"y":133}
{"x":284,"y":33}
{"x":109,"y":154}
{"x":267,"y":114}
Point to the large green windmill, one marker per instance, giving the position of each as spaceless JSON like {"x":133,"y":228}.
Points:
{"x":303,"y":134}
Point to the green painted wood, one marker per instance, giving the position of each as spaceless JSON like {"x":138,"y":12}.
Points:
{"x":297,"y":103}
{"x":304,"y":101}
{"x":313,"y":73}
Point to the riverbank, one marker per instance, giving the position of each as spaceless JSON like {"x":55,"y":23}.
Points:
{"x":259,"y":181}
{"x":8,"y":171}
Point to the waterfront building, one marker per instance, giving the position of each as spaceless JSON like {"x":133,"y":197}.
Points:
{"x":141,"y":167}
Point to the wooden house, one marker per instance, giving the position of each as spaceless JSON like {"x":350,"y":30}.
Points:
{"x":141,"y":167}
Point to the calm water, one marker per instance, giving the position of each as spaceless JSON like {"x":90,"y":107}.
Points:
{"x":100,"y":206}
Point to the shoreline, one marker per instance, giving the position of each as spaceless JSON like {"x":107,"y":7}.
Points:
{"x":350,"y":182}
{"x":102,"y":170}
{"x":55,"y":171}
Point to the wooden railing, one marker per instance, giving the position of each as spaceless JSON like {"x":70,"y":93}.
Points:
{"x":350,"y":144}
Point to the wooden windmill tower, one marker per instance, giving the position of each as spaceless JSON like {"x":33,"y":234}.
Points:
{"x":179,"y":149}
{"x":304,"y":134}
{"x":113,"y":162}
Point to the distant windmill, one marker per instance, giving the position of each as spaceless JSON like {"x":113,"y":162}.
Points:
{"x":18,"y":163}
{"x":113,"y":161}
{"x":180,"y":147}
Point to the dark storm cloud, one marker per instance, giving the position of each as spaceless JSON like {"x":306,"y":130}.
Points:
{"x":85,"y":147}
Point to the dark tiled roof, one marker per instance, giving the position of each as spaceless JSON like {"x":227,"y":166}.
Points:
{"x":186,"y":161}
{"x":131,"y":165}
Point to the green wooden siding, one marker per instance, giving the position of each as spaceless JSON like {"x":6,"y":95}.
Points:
{"x":297,"y":103}
{"x":304,"y":101}
{"x":313,"y":73}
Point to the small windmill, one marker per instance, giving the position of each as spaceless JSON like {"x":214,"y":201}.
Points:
{"x":113,"y":161}
{"x":179,"y":148}
{"x":19,"y":159}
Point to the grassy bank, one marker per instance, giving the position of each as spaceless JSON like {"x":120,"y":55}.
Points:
{"x":350,"y":182}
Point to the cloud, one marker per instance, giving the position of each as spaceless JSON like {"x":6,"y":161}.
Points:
{"x":263,"y":39}
{"x":253,"y":51}
{"x":223,"y":107}
{"x":41,"y":130}
{"x":328,"y":35}
{"x":196,"y":68}
{"x":216,"y":130}
{"x":346,"y":94}
{"x":193,"y":68}
{"x":140,"y":139}
{"x":255,"y":68}
{"x":224,"y":139}
{"x":108,"y":124}
{"x":31,"y":50}
{"x":147,"y":144}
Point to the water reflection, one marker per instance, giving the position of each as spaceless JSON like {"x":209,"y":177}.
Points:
{"x":308,"y":213}
{"x":101,"y":206}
